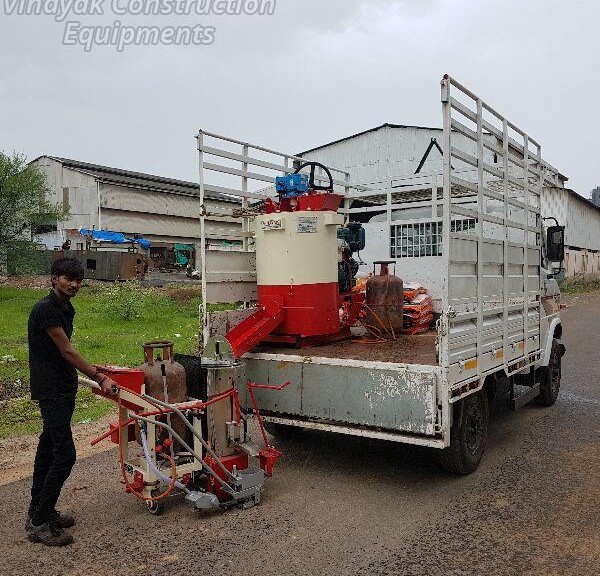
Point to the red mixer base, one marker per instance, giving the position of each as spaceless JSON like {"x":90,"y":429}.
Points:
{"x":309,"y":309}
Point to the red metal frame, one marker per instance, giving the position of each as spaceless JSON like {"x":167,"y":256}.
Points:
{"x":268,"y":455}
{"x":250,"y":386}
{"x":312,"y":201}
{"x":198,"y":405}
{"x":252,"y":330}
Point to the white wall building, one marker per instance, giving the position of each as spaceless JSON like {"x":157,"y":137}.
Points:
{"x":163,"y":210}
{"x":581,"y":219}
{"x":390,"y":153}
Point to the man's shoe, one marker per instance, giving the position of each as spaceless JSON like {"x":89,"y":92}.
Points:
{"x":49,"y":534}
{"x":63,"y":520}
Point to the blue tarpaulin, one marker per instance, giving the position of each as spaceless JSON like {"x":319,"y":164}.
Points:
{"x":116,"y":237}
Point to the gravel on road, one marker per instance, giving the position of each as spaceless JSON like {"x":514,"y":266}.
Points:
{"x":348,"y":506}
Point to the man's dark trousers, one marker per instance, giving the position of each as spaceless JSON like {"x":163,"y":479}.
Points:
{"x":54,"y":458}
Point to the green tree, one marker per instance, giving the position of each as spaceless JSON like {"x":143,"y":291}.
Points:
{"x":24,"y":206}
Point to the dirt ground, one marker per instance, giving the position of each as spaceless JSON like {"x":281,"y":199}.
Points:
{"x":17,"y":453}
{"x":352,"y":506}
{"x":40,"y":281}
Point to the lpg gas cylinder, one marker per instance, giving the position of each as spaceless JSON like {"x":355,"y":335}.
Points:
{"x":384,"y":299}
{"x":173,"y":381}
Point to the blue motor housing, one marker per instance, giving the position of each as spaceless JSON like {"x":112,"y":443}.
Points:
{"x":292,"y":185}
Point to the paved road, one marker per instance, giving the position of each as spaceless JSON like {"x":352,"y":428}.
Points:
{"x":350,"y":506}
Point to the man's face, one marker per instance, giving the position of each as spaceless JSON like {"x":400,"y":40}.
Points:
{"x":65,"y":286}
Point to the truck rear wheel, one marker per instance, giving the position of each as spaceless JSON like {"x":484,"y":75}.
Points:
{"x":468,"y":435}
{"x":549,"y":376}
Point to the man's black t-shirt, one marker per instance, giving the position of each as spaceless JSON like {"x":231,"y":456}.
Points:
{"x":51,"y":376}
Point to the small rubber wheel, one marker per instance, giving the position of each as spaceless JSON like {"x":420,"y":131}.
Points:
{"x":468,"y":435}
{"x":283,"y":431}
{"x":549,"y":377}
{"x":155,"y":507}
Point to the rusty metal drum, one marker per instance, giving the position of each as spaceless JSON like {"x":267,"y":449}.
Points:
{"x":384,"y":301}
{"x":176,"y":389}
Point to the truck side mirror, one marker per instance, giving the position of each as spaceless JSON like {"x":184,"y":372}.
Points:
{"x":555,"y":243}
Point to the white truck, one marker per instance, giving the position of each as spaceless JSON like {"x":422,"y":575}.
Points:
{"x":498,"y":328}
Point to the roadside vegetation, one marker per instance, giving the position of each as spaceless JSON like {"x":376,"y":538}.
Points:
{"x":25,"y":211}
{"x":577,"y":285}
{"x":112,"y":323}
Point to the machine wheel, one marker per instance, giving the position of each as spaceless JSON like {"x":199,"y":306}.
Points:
{"x":282,"y":431}
{"x":468,"y":435}
{"x":155,"y":507}
{"x":549,"y":377}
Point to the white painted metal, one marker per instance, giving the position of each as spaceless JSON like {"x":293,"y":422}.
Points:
{"x":487,"y":281}
{"x":366,"y":364}
{"x":580,"y":218}
{"x":356,"y":431}
{"x":502,"y":264}
{"x":294,"y":248}
{"x":159,"y":214}
{"x":80,"y":189}
{"x":202,"y":210}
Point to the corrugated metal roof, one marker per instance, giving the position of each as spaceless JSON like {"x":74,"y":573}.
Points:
{"x":582,"y":198}
{"x":386,"y":125}
{"x":136,"y":179}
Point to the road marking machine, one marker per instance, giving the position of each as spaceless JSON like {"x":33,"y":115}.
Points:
{"x":171,"y":443}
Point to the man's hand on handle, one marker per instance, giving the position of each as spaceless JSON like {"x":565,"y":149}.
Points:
{"x":107,"y":384}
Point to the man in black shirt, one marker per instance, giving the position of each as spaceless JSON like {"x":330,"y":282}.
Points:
{"x":53,"y":365}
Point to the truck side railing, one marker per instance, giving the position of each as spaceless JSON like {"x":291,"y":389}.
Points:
{"x":492,"y":308}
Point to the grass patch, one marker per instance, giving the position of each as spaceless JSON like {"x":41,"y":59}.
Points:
{"x":20,"y":416}
{"x":577,"y":285}
{"x":112,"y":322}
{"x":111,"y":325}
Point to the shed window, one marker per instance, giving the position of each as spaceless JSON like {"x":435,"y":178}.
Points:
{"x":422,"y":238}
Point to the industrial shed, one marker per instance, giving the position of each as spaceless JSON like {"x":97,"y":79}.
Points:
{"x":163,"y":210}
{"x":387,"y":154}
{"x":581,"y":219}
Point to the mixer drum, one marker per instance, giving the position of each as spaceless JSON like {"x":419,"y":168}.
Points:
{"x":176,"y":386}
{"x":297,"y":265}
{"x":384,"y":299}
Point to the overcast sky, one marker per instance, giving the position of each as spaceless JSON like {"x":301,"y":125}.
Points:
{"x":314,"y":71}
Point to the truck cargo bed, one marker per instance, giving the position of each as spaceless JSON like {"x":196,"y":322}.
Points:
{"x":386,"y":389}
{"x":417,"y":349}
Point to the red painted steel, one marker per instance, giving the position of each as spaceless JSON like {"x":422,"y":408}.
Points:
{"x":195,"y":405}
{"x":131,"y":379}
{"x":268,"y":455}
{"x":310,"y":309}
{"x":254,"y":329}
{"x":240,"y":461}
{"x":311,"y":202}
